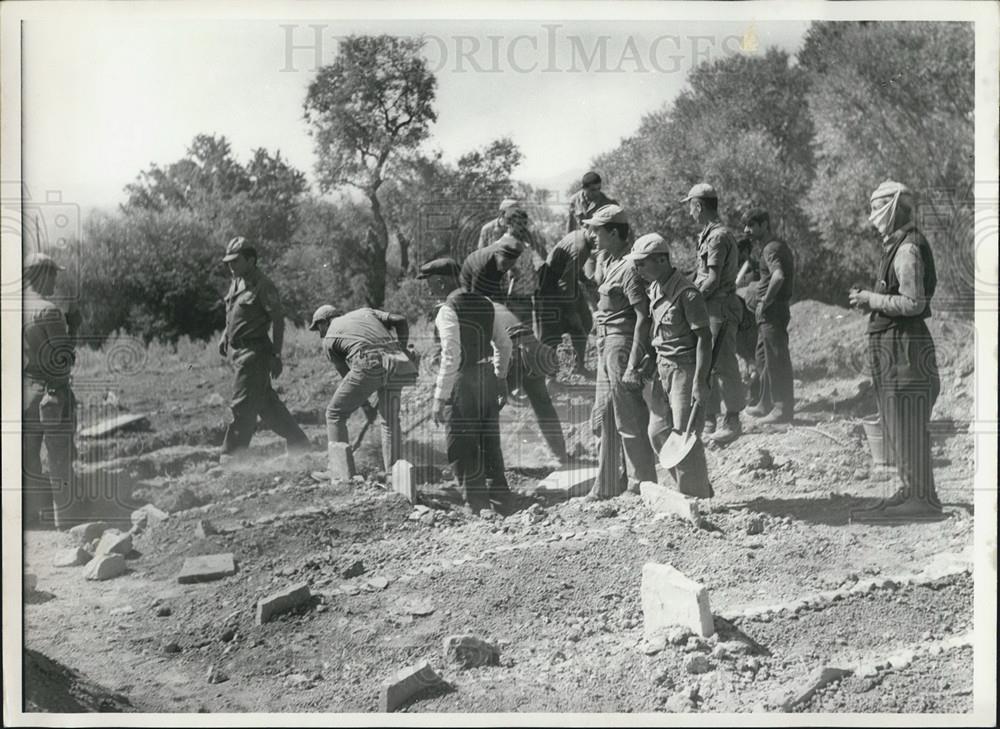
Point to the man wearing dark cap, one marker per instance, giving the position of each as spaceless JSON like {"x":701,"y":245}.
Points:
{"x":620,"y":415}
{"x":369,"y":359}
{"x":471,"y":382}
{"x":776,"y":402}
{"x":47,"y":399}
{"x":563,"y":296}
{"x":484,"y":270}
{"x":683,"y":343}
{"x":718,"y":266}
{"x":586,"y":200}
{"x":901,"y":353}
{"x":252,"y":308}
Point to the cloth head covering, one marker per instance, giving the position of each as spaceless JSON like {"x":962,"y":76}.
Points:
{"x":887,"y":196}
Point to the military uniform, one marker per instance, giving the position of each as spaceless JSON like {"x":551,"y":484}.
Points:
{"x":717,"y":248}
{"x":619,"y":414}
{"x":251,"y":304}
{"x":581,"y":207}
{"x":369,"y":359}
{"x":47,"y":410}
{"x":564,"y":308}
{"x":678,"y":312}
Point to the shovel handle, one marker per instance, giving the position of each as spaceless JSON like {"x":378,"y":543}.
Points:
{"x":695,"y":407}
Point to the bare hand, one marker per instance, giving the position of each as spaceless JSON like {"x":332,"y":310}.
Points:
{"x":699,"y":392}
{"x":276,"y":366}
{"x":860,"y":299}
{"x":502,"y":393}
{"x":632,"y":380}
{"x":440,"y":414}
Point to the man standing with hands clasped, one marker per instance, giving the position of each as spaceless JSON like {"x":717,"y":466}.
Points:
{"x":252,"y":308}
{"x":683,"y":343}
{"x":774,"y":294}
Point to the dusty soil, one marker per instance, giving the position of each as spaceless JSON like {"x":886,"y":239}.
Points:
{"x":557,"y":588}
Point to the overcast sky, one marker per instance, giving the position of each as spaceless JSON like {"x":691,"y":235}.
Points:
{"x":103,"y":100}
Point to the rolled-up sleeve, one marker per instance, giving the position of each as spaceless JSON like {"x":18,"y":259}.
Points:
{"x":909,"y":269}
{"x":502,"y":348}
{"x":446,"y":323}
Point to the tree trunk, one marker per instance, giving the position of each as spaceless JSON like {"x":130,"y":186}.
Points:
{"x":378,"y":246}
{"x":404,"y":251}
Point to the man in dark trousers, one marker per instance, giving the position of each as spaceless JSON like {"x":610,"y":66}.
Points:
{"x":776,"y":265}
{"x":718,"y":266}
{"x":47,"y":401}
{"x":252,"y":308}
{"x":369,"y":359}
{"x":471,"y":383}
{"x":901,"y":352}
{"x":586,"y":200}
{"x":564,"y":308}
{"x":682,"y":340}
{"x":620,"y":415}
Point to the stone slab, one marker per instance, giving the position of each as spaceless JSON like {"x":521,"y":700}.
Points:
{"x":404,"y":480}
{"x":571,"y":483}
{"x":341,"y":462}
{"x":114,"y":542}
{"x":104,"y":567}
{"x":665,"y":500}
{"x":72,"y":557}
{"x":207,"y":568}
{"x":407,"y":683}
{"x":671,"y":598}
{"x":787,"y":698}
{"x":86,"y":533}
{"x":131,"y":421}
{"x":282,"y":602}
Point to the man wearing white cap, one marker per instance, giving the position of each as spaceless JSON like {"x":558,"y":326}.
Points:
{"x":901,"y":352}
{"x":47,"y":400}
{"x":361,"y":345}
{"x":683,"y":342}
{"x":718,"y":267}
{"x":620,"y":415}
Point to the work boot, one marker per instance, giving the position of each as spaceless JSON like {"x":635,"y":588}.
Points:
{"x":778,"y":414}
{"x":757,"y":411}
{"x":912,"y":509}
{"x":731,"y":430}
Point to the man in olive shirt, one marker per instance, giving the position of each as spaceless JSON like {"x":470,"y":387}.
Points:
{"x":360,"y":344}
{"x":718,"y":266}
{"x":620,"y":415}
{"x":683,"y":343}
{"x":564,"y":308}
{"x":586,"y":200}
{"x":252,"y":308}
{"x":47,"y":401}
{"x":774,"y":295}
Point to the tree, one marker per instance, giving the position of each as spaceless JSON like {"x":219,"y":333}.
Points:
{"x":743,"y":125}
{"x":367,"y":108}
{"x":894,"y":100}
{"x":258,"y":201}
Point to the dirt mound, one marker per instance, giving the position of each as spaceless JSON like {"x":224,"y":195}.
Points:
{"x":49,"y":686}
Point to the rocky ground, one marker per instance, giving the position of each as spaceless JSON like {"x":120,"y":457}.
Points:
{"x":554,"y":585}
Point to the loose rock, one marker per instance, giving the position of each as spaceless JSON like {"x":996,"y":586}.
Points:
{"x":114,"y":542}
{"x":72,"y":557}
{"x":282,"y":602}
{"x":470,"y":651}
{"x":105,"y":567}
{"x":697,"y":664}
{"x":405,"y":684}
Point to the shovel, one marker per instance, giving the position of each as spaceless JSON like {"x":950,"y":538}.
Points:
{"x":680,"y":443}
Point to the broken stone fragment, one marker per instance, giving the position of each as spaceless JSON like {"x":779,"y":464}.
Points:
{"x":105,"y":567}
{"x":71,"y":557}
{"x":697,"y":664}
{"x":87,"y":533}
{"x":282,"y":602}
{"x":207,"y":568}
{"x":470,"y":652}
{"x":406,"y":684}
{"x":114,"y":542}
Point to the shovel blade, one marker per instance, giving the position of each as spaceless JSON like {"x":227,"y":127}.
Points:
{"x":676,"y":448}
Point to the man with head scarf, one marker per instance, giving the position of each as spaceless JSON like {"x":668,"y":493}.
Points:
{"x":901,"y":352}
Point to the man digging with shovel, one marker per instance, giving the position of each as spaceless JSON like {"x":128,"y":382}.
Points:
{"x":683,"y":342}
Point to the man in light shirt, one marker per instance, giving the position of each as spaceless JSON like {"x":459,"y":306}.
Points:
{"x":471,"y":385}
